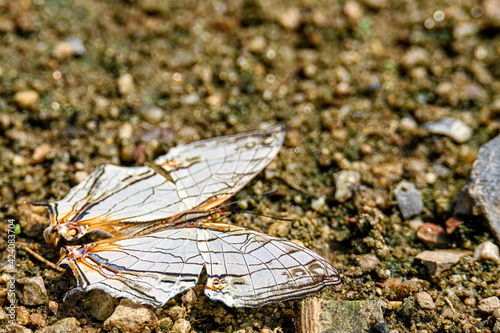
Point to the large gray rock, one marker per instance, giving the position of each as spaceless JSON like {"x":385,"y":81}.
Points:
{"x":484,"y":185}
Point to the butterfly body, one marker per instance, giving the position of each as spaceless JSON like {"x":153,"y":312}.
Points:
{"x":163,"y":224}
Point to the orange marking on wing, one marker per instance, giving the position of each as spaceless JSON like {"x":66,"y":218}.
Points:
{"x":219,"y":226}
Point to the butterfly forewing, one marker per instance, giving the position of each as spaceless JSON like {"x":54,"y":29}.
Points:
{"x":244,"y":268}
{"x":199,"y":175}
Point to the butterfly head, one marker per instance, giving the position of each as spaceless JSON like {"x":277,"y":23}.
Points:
{"x":69,"y":231}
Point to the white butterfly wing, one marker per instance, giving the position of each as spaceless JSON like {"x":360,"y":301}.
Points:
{"x":244,"y":268}
{"x":208,"y":172}
{"x":127,"y":201}
{"x":148,"y":270}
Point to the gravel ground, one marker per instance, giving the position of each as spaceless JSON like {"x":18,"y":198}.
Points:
{"x":373,"y":93}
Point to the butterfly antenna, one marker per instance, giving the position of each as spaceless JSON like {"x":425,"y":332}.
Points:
{"x":263,"y":215}
{"x":250,"y":197}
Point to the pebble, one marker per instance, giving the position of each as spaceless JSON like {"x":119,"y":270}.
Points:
{"x":54,"y":307}
{"x":126,"y":131}
{"x":415,"y":223}
{"x":66,"y":325}
{"x":319,"y":205}
{"x":425,"y":300}
{"x":189,"y":298}
{"x":453,"y":128}
{"x":77,"y":45}
{"x":27,"y":99}
{"x":483,"y":185}
{"x":33,"y":292}
{"x":16,"y":328}
{"x":181,"y":326}
{"x":126,"y":84}
{"x":40,"y":153}
{"x":452,"y":224}
{"x":353,"y":10}
{"x":176,"y":312}
{"x":129,"y":317}
{"x":153,"y":114}
{"x":291,"y":18}
{"x":439,"y":261}
{"x":487,"y":251}
{"x":367,"y":262}
{"x":346,"y":182}
{"x":257,"y":44}
{"x":409,"y":199}
{"x":80,"y":176}
{"x":100,"y":304}
{"x":36,"y":320}
{"x":63,"y":50}
{"x":22,"y":315}
{"x":488,"y":305}
{"x":393,"y":305}
{"x":279,"y":228}
{"x":432,"y":233}
{"x":409,"y":287}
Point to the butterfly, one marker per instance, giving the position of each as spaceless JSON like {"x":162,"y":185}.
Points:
{"x":163,"y":225}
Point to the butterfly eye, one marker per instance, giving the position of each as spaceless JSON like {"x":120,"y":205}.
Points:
{"x":72,"y":232}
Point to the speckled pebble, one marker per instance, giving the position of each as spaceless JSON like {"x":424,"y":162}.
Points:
{"x":488,"y":305}
{"x":27,"y":99}
{"x":189,"y":298}
{"x":367,"y":262}
{"x":453,"y":128}
{"x":181,"y":326}
{"x":100,"y":304}
{"x":22,"y":315}
{"x":54,"y":307}
{"x":176,"y":312}
{"x":487,"y":251}
{"x":66,"y":325}
{"x":129,"y":317}
{"x":33,"y":291}
{"x":409,"y":199}
{"x":36,"y":321}
{"x":346,"y":182}
{"x":16,"y":328}
{"x":126,"y":84}
{"x":439,"y":261}
{"x":425,"y":300}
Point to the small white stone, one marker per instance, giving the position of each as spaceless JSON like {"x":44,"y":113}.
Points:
{"x":181,"y":326}
{"x":487,"y":251}
{"x":488,"y":305}
{"x":291,"y":18}
{"x":425,"y":300}
{"x":126,"y":84}
{"x":346,"y":182}
{"x":319,"y":204}
{"x":40,"y":153}
{"x":453,"y":128}
{"x":153,"y":114}
{"x":126,"y":131}
{"x":26,"y":99}
{"x":63,"y":50}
